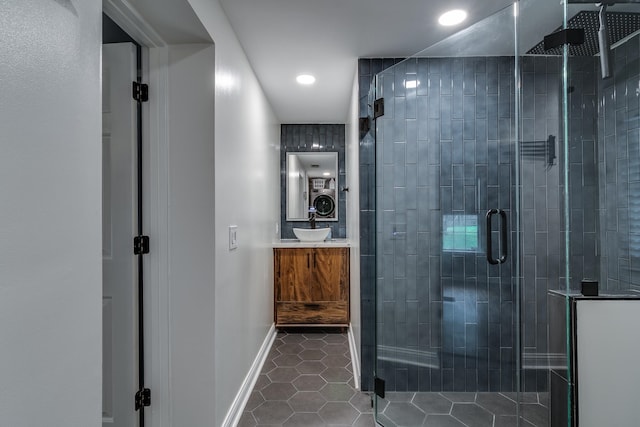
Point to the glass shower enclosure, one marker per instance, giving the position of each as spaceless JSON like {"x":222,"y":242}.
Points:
{"x":503,"y":167}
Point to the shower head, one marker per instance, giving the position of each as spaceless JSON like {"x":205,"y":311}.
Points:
{"x":620,"y":25}
{"x":603,"y":41}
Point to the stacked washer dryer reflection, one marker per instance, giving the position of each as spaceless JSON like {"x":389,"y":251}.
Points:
{"x":322,"y":196}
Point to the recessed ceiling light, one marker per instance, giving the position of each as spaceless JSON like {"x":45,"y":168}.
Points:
{"x":452,"y":17}
{"x":326,"y":173}
{"x":305,"y":79}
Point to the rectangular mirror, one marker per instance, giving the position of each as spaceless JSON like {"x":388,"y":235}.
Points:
{"x":312,"y":181}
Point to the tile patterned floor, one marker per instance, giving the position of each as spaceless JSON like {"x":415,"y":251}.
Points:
{"x":307,"y":381}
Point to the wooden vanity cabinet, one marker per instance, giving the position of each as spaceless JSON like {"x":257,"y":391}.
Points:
{"x":311,"y":286}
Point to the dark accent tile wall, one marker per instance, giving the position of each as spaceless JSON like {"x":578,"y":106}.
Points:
{"x":541,"y":219}
{"x":301,"y":138}
{"x":583,"y":171}
{"x":542,"y":197}
{"x":619,"y":169}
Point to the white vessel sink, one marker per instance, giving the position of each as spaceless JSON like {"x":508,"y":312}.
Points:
{"x":311,"y":235}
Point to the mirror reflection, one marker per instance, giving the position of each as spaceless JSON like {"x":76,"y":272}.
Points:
{"x":312,"y":186}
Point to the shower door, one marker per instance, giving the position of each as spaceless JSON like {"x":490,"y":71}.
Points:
{"x":448,"y":335}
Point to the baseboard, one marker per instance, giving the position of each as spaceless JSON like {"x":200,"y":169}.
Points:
{"x":355,"y":358}
{"x":237,"y":406}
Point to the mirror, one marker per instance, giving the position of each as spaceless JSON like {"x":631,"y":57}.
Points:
{"x":312,"y":181}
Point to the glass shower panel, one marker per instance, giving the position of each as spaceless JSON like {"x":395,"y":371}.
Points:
{"x":600,"y":166}
{"x":611,"y":153}
{"x":447,"y":242}
{"x":542,"y":151}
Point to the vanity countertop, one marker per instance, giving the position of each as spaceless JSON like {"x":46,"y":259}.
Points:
{"x":295,"y":243}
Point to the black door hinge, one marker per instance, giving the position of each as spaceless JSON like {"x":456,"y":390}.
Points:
{"x":378,"y":387}
{"x":378,"y":108}
{"x":143,"y":398}
{"x":140,"y":92}
{"x":141,"y":245}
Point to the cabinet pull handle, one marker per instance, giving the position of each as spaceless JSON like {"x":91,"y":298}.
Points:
{"x":308,"y":262}
{"x":308,"y":305}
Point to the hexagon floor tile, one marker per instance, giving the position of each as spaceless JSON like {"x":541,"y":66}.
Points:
{"x":307,"y":381}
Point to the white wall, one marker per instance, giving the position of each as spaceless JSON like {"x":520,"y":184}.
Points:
{"x":353,"y":206}
{"x":191,"y":234}
{"x":247,"y":194}
{"x":50,"y":213}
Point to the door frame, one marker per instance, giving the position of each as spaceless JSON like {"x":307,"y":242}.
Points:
{"x":155,"y":115}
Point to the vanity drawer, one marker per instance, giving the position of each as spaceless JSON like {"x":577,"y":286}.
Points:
{"x":308,"y":313}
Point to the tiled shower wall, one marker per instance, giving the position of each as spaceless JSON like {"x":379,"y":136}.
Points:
{"x":619,"y":168}
{"x":583,"y":171}
{"x":542,"y":198}
{"x":446,"y":319}
{"x":541,"y":214}
{"x":313,"y":138}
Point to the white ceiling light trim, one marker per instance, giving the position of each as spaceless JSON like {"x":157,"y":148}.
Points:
{"x":306,"y":79}
{"x":452,"y":17}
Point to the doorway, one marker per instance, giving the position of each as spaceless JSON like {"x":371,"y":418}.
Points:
{"x":124,"y":394}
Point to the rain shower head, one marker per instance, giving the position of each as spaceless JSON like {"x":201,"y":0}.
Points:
{"x":602,"y":29}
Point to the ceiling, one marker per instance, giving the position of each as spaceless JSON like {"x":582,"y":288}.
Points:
{"x":283,"y":38}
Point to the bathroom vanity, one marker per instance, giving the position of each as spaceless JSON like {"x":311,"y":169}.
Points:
{"x":311,"y":284}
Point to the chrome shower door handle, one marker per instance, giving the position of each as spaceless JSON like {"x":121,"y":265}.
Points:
{"x":503,"y":237}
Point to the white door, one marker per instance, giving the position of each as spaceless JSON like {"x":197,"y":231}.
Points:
{"x":119,"y":198}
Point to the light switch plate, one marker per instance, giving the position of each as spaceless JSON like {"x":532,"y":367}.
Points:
{"x":233,"y":237}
